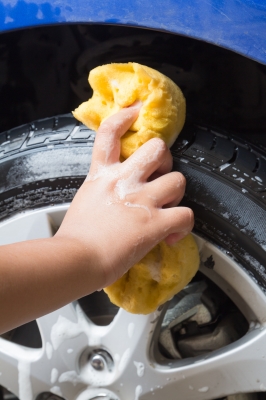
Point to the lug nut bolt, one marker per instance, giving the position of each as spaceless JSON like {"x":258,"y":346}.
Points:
{"x":97,"y":362}
{"x":100,"y":360}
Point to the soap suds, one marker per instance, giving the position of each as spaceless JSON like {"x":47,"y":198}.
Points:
{"x":204,"y":389}
{"x":54,"y":375}
{"x":224,"y":166}
{"x":24,"y":383}
{"x":124,"y":359}
{"x":103,"y":170}
{"x":49,"y":350}
{"x":56,"y":390}
{"x":155,"y":270}
{"x":138,"y":392}
{"x":65,"y":329}
{"x":140,"y":368}
{"x":155,"y":266}
{"x":128,"y":204}
{"x":114,"y":83}
{"x":70,"y":376}
{"x":130,"y":185}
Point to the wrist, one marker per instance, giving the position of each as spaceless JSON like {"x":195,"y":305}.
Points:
{"x":81,"y":262}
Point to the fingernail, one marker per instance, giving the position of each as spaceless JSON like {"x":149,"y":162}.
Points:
{"x":137,"y":104}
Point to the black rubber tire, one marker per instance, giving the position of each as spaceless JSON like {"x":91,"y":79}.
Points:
{"x":45,"y":162}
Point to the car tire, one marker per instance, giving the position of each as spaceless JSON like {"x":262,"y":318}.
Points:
{"x":45,"y":162}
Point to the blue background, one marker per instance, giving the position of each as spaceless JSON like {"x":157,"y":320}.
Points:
{"x":233,"y":24}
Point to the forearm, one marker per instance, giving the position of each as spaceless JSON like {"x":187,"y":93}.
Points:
{"x":40,"y":276}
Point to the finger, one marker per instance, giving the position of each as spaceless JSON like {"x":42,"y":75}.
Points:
{"x":174,"y":237}
{"x":176,"y":220}
{"x":107,"y":142}
{"x":152,"y":156}
{"x":167,"y":190}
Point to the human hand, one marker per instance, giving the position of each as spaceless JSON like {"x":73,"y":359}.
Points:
{"x":123,"y":210}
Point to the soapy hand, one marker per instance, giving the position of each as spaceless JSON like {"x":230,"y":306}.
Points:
{"x":123,"y":210}
{"x":118,"y":215}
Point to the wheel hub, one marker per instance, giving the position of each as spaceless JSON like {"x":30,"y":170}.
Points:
{"x":128,"y":356}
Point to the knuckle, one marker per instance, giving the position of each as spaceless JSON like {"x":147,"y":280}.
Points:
{"x":181,"y":180}
{"x":158,"y":143}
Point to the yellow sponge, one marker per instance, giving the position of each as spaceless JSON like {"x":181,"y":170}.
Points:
{"x":162,"y":273}
{"x":166,"y":269}
{"x":119,"y":85}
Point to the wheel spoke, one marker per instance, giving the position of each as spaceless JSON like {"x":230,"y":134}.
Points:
{"x":66,"y":335}
{"x":16,"y":365}
{"x":26,"y":227}
{"x":129,"y":334}
{"x":238,"y":368}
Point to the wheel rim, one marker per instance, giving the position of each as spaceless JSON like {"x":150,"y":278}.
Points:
{"x":65,"y":365}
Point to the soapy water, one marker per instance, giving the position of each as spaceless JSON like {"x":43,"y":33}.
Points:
{"x":56,"y":390}
{"x":203,"y":389}
{"x":131,"y":184}
{"x":135,"y":168}
{"x":49,"y":350}
{"x":107,"y":145}
{"x":141,"y":206}
{"x":24,"y":383}
{"x":138,"y":392}
{"x":70,"y":376}
{"x":65,"y":329}
{"x":140,"y":368}
{"x":54,"y":375}
{"x":155,"y":270}
{"x":124,"y":360}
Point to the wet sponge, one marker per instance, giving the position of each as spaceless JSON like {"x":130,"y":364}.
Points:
{"x":166,"y":269}
{"x":162,"y":273}
{"x":119,"y":85}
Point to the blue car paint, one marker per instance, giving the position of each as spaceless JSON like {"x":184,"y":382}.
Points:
{"x":233,"y":24}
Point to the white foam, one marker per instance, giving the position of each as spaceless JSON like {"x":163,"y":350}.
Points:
{"x":64,"y":329}
{"x":128,"y":204}
{"x":155,"y":266}
{"x":222,"y":167}
{"x":140,"y":368}
{"x":138,"y":392}
{"x":24,"y":383}
{"x":124,"y":359}
{"x":204,"y":389}
{"x":128,"y":185}
{"x":49,"y":350}
{"x":155,"y":270}
{"x":70,"y":376}
{"x":56,"y":390}
{"x":54,"y":375}
{"x":103,"y":170}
